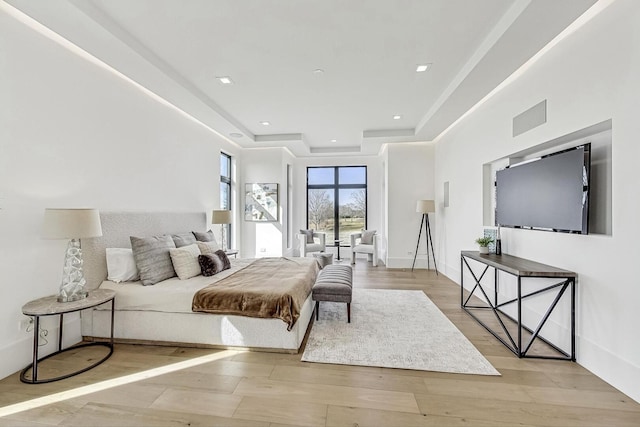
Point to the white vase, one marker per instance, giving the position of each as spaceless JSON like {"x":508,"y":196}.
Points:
{"x":484,"y":249}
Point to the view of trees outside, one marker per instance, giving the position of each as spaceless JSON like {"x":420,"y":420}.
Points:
{"x":320,"y":210}
{"x":351,"y":212}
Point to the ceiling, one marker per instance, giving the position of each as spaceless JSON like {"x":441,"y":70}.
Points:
{"x":367,"y":51}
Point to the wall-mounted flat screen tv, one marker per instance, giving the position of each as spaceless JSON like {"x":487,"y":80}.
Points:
{"x":549,"y":193}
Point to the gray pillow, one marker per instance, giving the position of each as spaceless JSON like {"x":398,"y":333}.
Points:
{"x":367,"y":237}
{"x":309,"y":234}
{"x":207,"y":236}
{"x":183,"y":239}
{"x":153,"y":258}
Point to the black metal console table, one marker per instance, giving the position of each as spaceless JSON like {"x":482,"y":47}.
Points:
{"x":520,"y":268}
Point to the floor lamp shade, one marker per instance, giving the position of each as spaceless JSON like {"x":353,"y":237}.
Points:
{"x":426,"y":206}
{"x":73,"y":224}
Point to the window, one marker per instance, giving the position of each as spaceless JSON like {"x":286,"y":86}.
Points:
{"x":337,"y":201}
{"x":225,"y":190}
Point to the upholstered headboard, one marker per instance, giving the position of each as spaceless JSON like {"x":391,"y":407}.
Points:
{"x":117,"y":227}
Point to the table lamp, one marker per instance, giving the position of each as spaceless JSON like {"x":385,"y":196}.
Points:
{"x":222,"y":217}
{"x":72,"y":224}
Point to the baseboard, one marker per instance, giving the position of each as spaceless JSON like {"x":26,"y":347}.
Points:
{"x":408,"y":262}
{"x":619,"y":373}
{"x":19,"y":354}
{"x":452,"y":272}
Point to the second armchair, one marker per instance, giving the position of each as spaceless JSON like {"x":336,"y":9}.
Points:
{"x":365,"y":242}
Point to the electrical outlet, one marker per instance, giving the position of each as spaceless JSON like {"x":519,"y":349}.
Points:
{"x":409,"y":253}
{"x":25,"y":324}
{"x":263,"y":249}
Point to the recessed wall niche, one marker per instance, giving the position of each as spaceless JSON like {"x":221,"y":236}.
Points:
{"x":600,"y":192}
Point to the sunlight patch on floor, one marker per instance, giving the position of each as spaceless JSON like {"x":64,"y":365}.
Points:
{"x":114,"y":382}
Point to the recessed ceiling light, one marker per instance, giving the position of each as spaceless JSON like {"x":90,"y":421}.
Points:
{"x":265,"y":123}
{"x":236,"y":135}
{"x":334,"y":140}
{"x":318,"y":71}
{"x":421,"y":68}
{"x":225,"y":80}
{"x":397,"y":117}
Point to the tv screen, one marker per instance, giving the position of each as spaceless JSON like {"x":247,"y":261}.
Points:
{"x":550,"y":193}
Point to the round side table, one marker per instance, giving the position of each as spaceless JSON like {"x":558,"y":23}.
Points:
{"x":49,"y":306}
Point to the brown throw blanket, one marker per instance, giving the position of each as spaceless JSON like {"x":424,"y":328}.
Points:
{"x":268,"y":287}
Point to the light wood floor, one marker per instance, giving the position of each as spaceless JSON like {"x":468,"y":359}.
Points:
{"x":271,"y":389}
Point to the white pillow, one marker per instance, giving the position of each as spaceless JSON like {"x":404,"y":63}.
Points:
{"x":185,"y":261}
{"x":208,"y":248}
{"x":121,"y":266}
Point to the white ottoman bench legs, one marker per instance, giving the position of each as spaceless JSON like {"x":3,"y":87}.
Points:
{"x":334,"y":283}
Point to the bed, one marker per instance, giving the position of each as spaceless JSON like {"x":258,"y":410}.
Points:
{"x":163,"y":313}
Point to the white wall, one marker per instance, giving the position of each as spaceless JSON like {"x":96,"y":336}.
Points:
{"x":75,"y":135}
{"x":588,"y":78}
{"x":410,"y":177}
{"x":265,"y":165}
{"x":374,"y":191}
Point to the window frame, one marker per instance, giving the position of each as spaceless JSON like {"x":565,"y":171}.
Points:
{"x":336,"y":187}
{"x":226,"y":180}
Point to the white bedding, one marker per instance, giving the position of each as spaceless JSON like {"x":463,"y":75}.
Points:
{"x":169,"y":296}
{"x":162,"y":313}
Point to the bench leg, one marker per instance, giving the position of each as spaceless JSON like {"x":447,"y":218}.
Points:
{"x":348,"y":312}
{"x":317,"y":309}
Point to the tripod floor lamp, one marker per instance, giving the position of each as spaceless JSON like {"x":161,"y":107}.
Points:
{"x":425,"y":207}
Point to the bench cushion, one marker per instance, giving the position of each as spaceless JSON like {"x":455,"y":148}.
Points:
{"x":334,"y":283}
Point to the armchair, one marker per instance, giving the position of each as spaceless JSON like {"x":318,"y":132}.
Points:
{"x":318,"y":244}
{"x":370,"y":249}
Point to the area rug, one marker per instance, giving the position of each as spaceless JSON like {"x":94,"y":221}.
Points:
{"x":392,"y":329}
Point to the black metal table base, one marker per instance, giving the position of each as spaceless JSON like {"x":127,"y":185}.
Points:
{"x":515,"y":344}
{"x":25,"y":379}
{"x":34,"y":365}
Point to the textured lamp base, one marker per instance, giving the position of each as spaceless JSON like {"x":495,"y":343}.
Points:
{"x":73,"y":282}
{"x":223,"y":235}
{"x":73,"y":297}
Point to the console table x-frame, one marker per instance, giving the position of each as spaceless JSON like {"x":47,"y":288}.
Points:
{"x":520,"y":268}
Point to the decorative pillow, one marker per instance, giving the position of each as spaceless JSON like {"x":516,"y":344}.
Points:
{"x":121,"y":266}
{"x":183,"y":239}
{"x":208,"y":247}
{"x":210,"y":264}
{"x":226,"y":264}
{"x":309,"y":234}
{"x":367,"y":237}
{"x":207,"y":236}
{"x":152,"y":258}
{"x":185,"y":261}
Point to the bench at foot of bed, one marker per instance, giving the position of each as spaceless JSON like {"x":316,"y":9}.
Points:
{"x":334,"y":283}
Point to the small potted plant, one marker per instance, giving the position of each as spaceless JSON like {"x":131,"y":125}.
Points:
{"x":483,"y":243}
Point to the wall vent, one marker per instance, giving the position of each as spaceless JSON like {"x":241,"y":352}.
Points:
{"x":533,"y":117}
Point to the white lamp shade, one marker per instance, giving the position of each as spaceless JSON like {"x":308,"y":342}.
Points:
{"x":426,"y":206}
{"x":71,"y":223}
{"x":221,"y":217}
